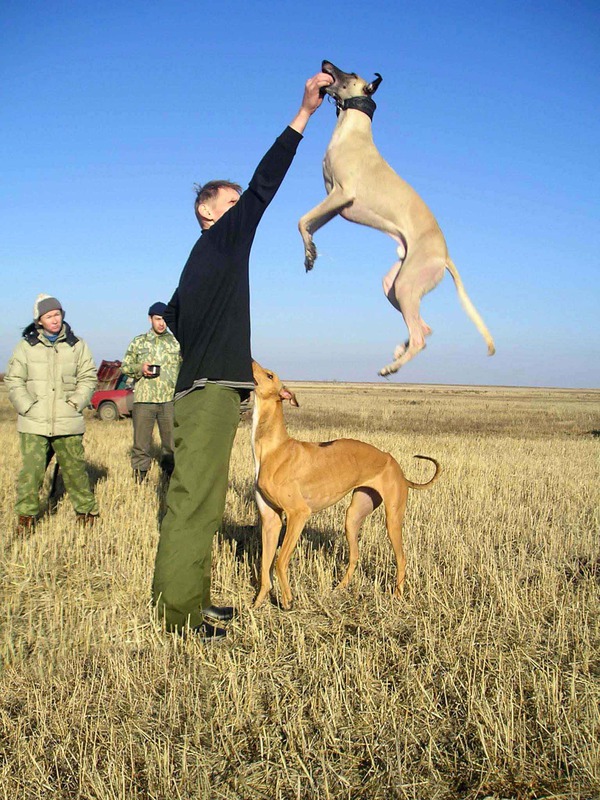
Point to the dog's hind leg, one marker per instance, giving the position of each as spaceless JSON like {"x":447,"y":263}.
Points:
{"x":395,"y":506}
{"x":411,"y":283}
{"x":400,"y":349}
{"x":271,"y":523}
{"x":296,"y":520}
{"x":364,"y":502}
{"x":388,"y":284}
{"x":390,"y":278}
{"x":415,"y":342}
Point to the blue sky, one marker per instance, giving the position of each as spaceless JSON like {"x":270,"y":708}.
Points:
{"x":111,"y":112}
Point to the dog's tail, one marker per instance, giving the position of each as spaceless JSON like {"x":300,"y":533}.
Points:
{"x":438,"y":472}
{"x":469,"y":307}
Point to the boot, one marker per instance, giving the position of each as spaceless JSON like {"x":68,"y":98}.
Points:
{"x":140,"y":475}
{"x":167,"y":466}
{"x":25,"y":523}
{"x":86,"y":519}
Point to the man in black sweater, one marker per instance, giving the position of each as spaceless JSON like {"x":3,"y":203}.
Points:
{"x":209,"y":314}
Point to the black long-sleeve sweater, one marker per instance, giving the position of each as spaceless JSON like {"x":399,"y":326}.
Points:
{"x":209,"y":313}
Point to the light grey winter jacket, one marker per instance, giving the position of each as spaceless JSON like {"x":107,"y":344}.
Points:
{"x":42,"y":376}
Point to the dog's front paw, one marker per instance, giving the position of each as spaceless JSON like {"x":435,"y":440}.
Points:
{"x":310,"y":256}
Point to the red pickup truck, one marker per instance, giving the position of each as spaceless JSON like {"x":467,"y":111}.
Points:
{"x":113,"y":398}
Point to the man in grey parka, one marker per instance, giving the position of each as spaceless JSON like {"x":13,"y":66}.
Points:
{"x":50,"y":378}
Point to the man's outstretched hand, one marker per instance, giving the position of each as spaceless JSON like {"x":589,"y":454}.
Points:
{"x":311,"y":101}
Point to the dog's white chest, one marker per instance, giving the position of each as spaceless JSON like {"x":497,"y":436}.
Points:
{"x":349,"y":152}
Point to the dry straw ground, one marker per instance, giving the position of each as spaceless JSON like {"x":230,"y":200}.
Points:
{"x":483,"y":681}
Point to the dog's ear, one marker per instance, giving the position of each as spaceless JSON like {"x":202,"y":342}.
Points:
{"x":372,"y":87}
{"x":286,"y":394}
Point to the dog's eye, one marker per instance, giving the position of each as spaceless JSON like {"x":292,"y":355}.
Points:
{"x":270,"y":376}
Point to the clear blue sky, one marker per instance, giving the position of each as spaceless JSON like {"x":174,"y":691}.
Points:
{"x":111,"y":111}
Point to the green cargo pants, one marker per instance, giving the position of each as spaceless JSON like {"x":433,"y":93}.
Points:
{"x":35,"y":450}
{"x":205,"y":424}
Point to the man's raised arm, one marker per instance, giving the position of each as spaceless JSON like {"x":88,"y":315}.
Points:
{"x":311,"y":101}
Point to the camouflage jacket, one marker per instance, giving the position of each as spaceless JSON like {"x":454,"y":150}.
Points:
{"x":153,"y":348}
{"x":49,"y":384}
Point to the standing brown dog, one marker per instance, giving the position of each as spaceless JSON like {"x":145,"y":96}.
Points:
{"x":298,"y":478}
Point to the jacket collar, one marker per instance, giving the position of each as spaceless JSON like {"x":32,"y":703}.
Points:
{"x":33,"y":336}
{"x":156,"y":335}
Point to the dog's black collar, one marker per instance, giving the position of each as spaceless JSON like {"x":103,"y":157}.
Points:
{"x":364,"y":104}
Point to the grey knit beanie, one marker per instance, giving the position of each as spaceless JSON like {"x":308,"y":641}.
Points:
{"x":45,"y":303}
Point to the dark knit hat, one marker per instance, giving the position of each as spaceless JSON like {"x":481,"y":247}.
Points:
{"x":157,"y":310}
{"x":45,"y":303}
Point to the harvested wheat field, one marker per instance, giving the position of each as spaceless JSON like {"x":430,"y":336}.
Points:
{"x":483,"y":681}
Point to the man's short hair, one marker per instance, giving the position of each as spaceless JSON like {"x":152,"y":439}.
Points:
{"x":210,"y":190}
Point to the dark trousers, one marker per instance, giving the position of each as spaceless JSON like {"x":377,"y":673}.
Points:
{"x":144,"y":417}
{"x":205,"y":424}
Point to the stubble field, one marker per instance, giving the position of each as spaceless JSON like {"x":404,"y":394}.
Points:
{"x":484,"y":681}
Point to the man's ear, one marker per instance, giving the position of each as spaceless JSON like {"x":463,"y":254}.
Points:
{"x":205,"y":211}
{"x":286,"y":394}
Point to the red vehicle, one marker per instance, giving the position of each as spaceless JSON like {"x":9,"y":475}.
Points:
{"x":113,"y":398}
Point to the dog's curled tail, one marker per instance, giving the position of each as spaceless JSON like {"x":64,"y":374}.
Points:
{"x":469,"y":307}
{"x":438,"y":472}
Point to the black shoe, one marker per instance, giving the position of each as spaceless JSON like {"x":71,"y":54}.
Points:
{"x":208,"y":633}
{"x":140,"y":475}
{"x":219,"y":613}
{"x":167,"y":466}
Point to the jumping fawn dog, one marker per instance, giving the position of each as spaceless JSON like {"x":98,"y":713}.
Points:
{"x":298,"y":478}
{"x":362,"y":187}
